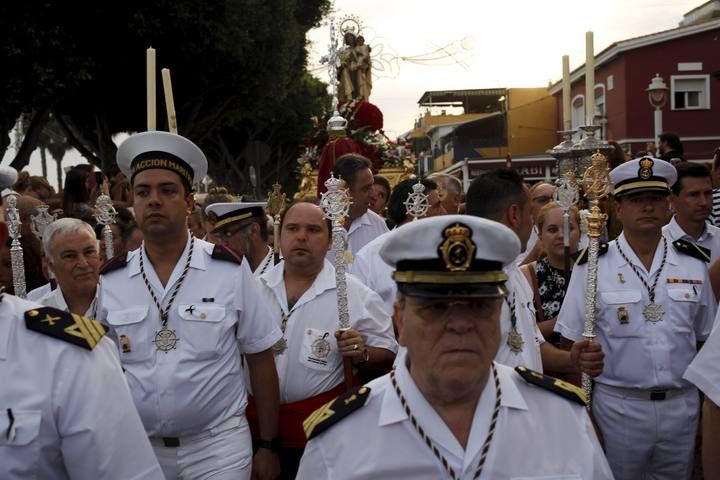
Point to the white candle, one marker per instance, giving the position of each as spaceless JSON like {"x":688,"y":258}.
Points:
{"x":567,"y":122}
{"x":169,"y":102}
{"x":151,"y":121}
{"x":589,"y":79}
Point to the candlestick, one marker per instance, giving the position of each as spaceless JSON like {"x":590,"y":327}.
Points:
{"x":151,"y":89}
{"x":567,"y":121}
{"x":589,"y":79}
{"x":169,"y":102}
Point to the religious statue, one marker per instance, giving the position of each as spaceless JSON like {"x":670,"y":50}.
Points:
{"x":355,"y":69}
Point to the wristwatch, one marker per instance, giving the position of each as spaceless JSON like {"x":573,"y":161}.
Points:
{"x":272,"y":445}
{"x":365,"y":358}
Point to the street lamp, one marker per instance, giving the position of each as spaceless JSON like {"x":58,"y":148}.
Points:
{"x":657,"y":95}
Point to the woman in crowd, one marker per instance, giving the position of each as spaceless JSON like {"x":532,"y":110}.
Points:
{"x":547,"y":274}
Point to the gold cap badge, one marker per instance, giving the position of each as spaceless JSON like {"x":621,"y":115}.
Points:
{"x":646,"y":171}
{"x":458,"y":249}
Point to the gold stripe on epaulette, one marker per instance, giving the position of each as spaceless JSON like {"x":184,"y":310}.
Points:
{"x":317,"y":417}
{"x":571,"y":388}
{"x":700,"y":250}
{"x":80,"y":329}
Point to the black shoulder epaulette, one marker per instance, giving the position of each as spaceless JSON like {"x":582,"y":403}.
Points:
{"x":334,"y":411}
{"x":115,"y":263}
{"x":224,"y":253}
{"x":582,"y":256}
{"x":555,"y":385}
{"x":67,"y":326}
{"x":693,"y":249}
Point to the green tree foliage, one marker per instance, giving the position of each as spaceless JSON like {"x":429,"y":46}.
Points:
{"x":238,"y":73}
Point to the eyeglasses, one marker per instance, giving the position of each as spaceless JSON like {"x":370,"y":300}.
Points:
{"x":229,"y":233}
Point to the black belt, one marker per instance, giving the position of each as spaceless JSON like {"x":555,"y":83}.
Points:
{"x":171,"y":441}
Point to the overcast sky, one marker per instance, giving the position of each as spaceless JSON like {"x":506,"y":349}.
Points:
{"x":515,"y":43}
{"x":508,"y":43}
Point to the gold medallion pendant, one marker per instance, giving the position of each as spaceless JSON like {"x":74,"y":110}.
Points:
{"x":165,"y":339}
{"x":280,"y":346}
{"x":515,"y":340}
{"x":653,"y":312}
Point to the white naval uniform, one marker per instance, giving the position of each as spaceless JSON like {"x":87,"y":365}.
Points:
{"x":305,"y":371}
{"x":73,"y":414}
{"x":362,"y":231}
{"x":519,"y":289}
{"x":710,"y":238}
{"x":372,"y":270}
{"x":704,"y":371}
{"x":197,"y":391}
{"x":538,"y":435}
{"x":39,"y":292}
{"x":644,"y":436}
{"x":56,"y":299}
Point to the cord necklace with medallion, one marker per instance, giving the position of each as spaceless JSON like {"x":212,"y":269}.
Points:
{"x":166,"y":339}
{"x":653,"y":312}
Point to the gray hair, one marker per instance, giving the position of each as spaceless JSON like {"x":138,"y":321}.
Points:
{"x":63,"y":225}
{"x":450,"y":182}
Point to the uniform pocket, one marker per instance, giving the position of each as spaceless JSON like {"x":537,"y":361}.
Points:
{"x":319,"y":350}
{"x":21,"y":450}
{"x":623,"y":313}
{"x":133,"y":332}
{"x":202,"y":327}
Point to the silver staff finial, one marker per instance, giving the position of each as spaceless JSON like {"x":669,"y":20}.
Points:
{"x":16,"y":251}
{"x":417,"y":203}
{"x":105,"y":215}
{"x":41,"y":220}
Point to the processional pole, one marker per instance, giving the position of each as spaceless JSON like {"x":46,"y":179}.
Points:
{"x":596,"y":183}
{"x":105,"y":215}
{"x":566,"y":194}
{"x":275,"y":204}
{"x":16,"y":250}
{"x":335,"y":203}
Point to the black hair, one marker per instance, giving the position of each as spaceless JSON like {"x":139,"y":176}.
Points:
{"x":687,"y":169}
{"x":347,"y":167}
{"x":396,"y":210}
{"x":673,"y":140}
{"x":383,"y":182}
{"x":493,"y":192}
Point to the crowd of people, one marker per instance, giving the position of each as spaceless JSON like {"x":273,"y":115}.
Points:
{"x":454,"y":345}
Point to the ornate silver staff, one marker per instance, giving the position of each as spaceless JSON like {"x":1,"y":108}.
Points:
{"x":335,"y":203}
{"x":566,"y":194}
{"x":41,"y":220}
{"x":275,"y":204}
{"x":105,"y":215}
{"x":417,"y":203}
{"x":16,"y":250}
{"x":596,"y":183}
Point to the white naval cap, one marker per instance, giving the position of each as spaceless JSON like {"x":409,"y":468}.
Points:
{"x":8,"y":176}
{"x":227,"y":213}
{"x":156,"y":149}
{"x":451,"y":256}
{"x":642,"y":174}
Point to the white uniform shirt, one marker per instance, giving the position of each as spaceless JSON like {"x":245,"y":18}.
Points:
{"x":709,"y":239}
{"x":370,"y":268}
{"x":362,"y":231}
{"x":56,"y":299}
{"x":305,"y":371}
{"x":40,"y":292}
{"x":538,"y":435}
{"x":639,"y":353}
{"x":74,"y":416}
{"x":520,"y":290}
{"x":703,"y":372}
{"x":199,"y":384}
